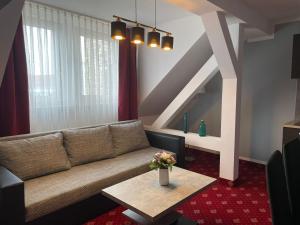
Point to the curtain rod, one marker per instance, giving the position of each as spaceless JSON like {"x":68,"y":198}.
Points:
{"x":67,"y":10}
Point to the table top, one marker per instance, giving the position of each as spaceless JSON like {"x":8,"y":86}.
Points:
{"x":145,"y":196}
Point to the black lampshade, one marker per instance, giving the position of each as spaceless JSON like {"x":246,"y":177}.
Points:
{"x":167,"y":43}
{"x":153,"y":39}
{"x":137,"y":35}
{"x":118,"y":30}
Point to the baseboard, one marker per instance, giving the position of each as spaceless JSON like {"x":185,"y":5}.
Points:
{"x":253,"y":160}
{"x":218,"y":153}
{"x":203,"y":149}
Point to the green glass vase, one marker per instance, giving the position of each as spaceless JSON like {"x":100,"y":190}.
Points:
{"x":202,"y":129}
{"x":186,"y":122}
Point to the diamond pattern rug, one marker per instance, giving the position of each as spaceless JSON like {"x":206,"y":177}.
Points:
{"x":246,"y":203}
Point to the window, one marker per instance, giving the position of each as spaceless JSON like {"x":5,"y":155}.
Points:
{"x":72,"y":67}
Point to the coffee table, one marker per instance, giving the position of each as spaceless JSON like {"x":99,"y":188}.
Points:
{"x":149,"y":203}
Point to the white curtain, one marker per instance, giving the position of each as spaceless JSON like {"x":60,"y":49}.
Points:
{"x":72,"y":67}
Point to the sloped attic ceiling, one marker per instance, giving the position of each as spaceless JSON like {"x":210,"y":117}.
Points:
{"x":10,"y":12}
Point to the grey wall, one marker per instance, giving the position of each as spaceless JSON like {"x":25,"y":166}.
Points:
{"x":268,"y":93}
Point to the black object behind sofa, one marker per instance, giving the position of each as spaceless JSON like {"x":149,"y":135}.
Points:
{"x":291,"y":159}
{"x":169,"y":142}
{"x":278,"y":191}
{"x":12,"y":207}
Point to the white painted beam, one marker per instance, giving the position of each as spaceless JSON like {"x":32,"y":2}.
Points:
{"x":229,"y":161}
{"x":219,"y":37}
{"x":227,"y":46}
{"x":209,"y":69}
{"x":238,"y":40}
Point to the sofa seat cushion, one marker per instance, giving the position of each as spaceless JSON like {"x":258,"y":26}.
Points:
{"x":49,"y":193}
{"x":33,"y":157}
{"x":128,"y":137}
{"x":88,"y":144}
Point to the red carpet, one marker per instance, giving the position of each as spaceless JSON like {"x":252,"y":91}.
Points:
{"x":245,"y":204}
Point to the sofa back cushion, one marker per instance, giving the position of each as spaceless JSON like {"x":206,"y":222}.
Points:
{"x":34,"y":157}
{"x":128,"y":137}
{"x":88,"y":145}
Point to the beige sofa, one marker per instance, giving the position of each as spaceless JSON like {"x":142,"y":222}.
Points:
{"x":59,"y":169}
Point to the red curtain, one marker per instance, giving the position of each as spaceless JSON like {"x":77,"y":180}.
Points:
{"x":128,"y":108}
{"x":14,"y":100}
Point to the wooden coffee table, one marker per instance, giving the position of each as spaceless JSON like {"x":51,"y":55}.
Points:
{"x":149,"y":203}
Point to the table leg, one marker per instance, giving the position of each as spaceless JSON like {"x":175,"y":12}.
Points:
{"x":173,"y":218}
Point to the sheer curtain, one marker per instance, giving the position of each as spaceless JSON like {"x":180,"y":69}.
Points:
{"x":72,"y":69}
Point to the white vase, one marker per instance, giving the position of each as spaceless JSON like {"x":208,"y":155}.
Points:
{"x":164,"y":177}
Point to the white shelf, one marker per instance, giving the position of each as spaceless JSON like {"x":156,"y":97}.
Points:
{"x":207,"y":142}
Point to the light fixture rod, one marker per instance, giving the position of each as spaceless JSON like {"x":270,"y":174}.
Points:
{"x":155,"y":14}
{"x":141,"y":24}
{"x":135,"y":11}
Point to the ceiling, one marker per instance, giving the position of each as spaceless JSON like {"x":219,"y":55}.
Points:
{"x":277,"y":11}
{"x":104,"y":9}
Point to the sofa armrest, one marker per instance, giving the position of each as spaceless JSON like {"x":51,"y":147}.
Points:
{"x":169,"y":142}
{"x":12,"y":201}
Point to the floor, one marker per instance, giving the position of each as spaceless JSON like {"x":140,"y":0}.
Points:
{"x":247,"y":203}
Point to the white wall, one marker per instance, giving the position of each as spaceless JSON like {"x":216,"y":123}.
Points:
{"x":9,"y":19}
{"x":154,"y":64}
{"x":177,"y":78}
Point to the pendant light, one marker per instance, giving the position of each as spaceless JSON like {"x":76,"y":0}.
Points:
{"x":137,"y":35}
{"x":154,"y":36}
{"x":137,"y":32}
{"x":167,"y":42}
{"x":118,"y":30}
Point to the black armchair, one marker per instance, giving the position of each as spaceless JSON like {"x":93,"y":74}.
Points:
{"x":278,"y":193}
{"x":291,"y":160}
{"x":12,"y":206}
{"x":169,"y":142}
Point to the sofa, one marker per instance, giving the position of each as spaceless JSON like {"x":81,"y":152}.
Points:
{"x":57,"y":177}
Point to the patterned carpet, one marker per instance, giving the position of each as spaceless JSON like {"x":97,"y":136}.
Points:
{"x":247,"y":203}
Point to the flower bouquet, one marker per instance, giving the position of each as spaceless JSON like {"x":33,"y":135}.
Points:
{"x":163,"y":161}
